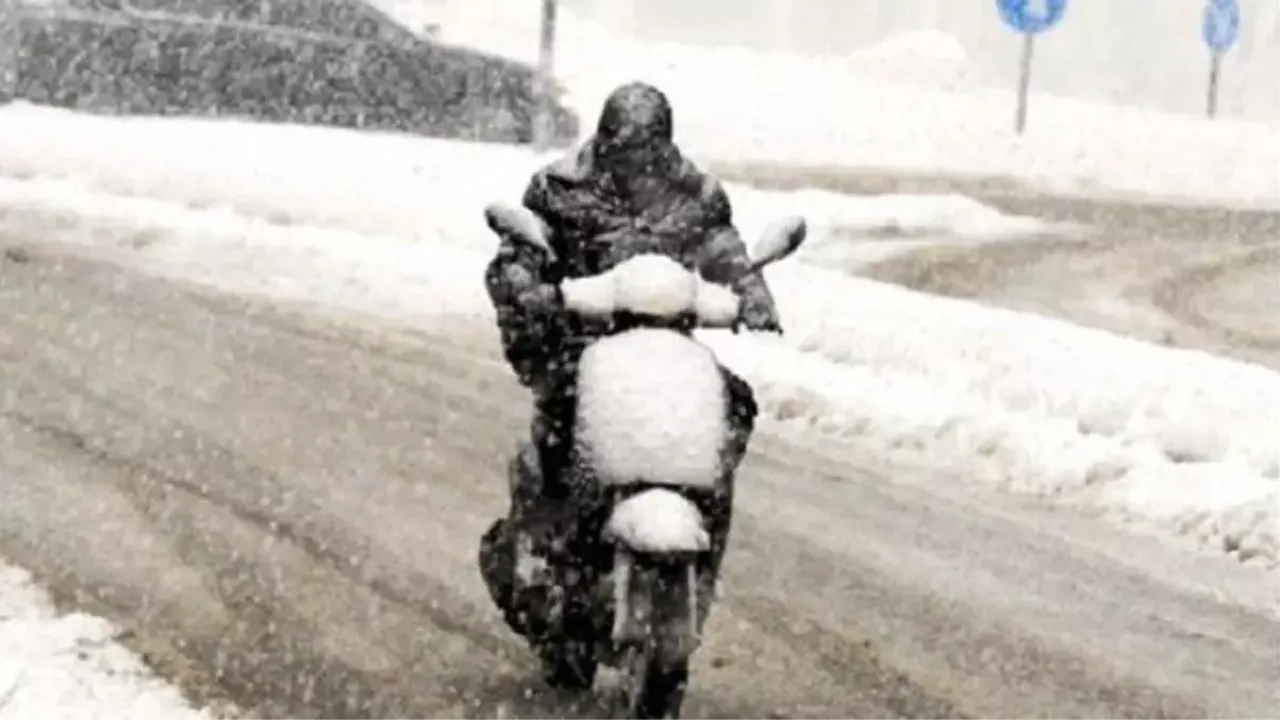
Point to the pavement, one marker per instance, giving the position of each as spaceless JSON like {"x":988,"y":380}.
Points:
{"x":1182,"y":283}
{"x":1178,"y":274}
{"x":282,"y":505}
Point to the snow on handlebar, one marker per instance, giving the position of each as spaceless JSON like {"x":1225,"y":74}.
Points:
{"x":653,"y":285}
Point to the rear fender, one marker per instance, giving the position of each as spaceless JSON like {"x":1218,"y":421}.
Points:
{"x":656,"y":604}
{"x":658,"y":522}
{"x":658,"y":536}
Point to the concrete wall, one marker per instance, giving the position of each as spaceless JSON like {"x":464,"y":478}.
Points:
{"x":1137,"y":52}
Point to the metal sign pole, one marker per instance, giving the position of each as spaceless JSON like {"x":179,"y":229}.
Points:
{"x":1028,"y":19}
{"x":1024,"y":81}
{"x":1215,"y":69}
{"x":1220,"y":30}
{"x":543,"y":123}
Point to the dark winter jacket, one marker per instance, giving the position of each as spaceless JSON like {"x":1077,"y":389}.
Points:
{"x":626,"y":191}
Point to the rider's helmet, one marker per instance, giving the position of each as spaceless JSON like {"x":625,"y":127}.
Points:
{"x":634,"y":134}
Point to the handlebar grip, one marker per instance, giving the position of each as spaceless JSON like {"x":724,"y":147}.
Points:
{"x":593,"y":295}
{"x":717,"y":305}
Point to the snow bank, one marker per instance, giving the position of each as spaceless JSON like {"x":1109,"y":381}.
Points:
{"x":70,"y":666}
{"x":371,"y":182}
{"x":903,"y":105}
{"x":1179,"y":440}
{"x":927,"y":58}
{"x":1183,"y":440}
{"x":380,"y":182}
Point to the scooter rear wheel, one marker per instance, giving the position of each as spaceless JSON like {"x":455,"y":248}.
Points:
{"x":652,"y":690}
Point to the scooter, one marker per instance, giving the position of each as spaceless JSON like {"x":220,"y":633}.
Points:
{"x":649,"y":457}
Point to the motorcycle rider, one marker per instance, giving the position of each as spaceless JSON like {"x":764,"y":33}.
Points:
{"x":626,"y":190}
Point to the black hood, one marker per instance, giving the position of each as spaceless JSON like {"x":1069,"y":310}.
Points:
{"x":634,"y":132}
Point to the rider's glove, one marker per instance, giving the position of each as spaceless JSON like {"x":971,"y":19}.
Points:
{"x":541,"y":299}
{"x":759,"y":316}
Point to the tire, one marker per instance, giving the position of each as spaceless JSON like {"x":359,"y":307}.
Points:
{"x":656,"y":690}
{"x":656,"y":671}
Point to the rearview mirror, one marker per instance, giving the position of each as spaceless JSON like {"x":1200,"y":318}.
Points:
{"x":778,"y":241}
{"x":519,"y":224}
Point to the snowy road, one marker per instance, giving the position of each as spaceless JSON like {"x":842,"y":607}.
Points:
{"x":1203,"y":278}
{"x":283,"y":507}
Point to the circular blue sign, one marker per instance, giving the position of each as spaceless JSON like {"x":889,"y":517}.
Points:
{"x":1031,"y":16}
{"x":1221,"y":24}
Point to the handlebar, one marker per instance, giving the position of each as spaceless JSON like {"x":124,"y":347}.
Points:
{"x":654,"y":286}
{"x":650,"y":285}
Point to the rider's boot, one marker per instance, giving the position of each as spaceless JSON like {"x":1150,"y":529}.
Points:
{"x":511,"y":548}
{"x":498,"y":557}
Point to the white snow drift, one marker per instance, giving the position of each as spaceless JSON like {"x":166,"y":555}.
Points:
{"x":379,"y":183}
{"x":872,"y":109}
{"x":70,"y":666}
{"x":1181,"y":439}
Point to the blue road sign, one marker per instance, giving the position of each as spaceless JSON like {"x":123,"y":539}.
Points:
{"x":1221,"y":28}
{"x":1031,"y":16}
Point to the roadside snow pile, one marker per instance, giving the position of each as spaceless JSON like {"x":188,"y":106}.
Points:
{"x":384,"y":183}
{"x":927,"y":58}
{"x":70,"y":666}
{"x":895,"y":106}
{"x":1184,"y":440}
{"x":1180,"y":439}
{"x":367,"y":182}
